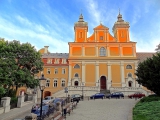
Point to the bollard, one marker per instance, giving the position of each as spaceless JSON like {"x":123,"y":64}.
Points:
{"x":65,"y":112}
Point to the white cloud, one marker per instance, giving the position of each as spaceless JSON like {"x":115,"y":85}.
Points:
{"x":32,"y":35}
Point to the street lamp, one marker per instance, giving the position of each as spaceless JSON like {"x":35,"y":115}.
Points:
{"x":42,"y":85}
{"x":82,"y":91}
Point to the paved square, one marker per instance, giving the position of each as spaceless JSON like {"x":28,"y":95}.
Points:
{"x":113,"y":109}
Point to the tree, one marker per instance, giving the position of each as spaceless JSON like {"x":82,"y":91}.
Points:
{"x":158,"y":48}
{"x":148,"y":73}
{"x":18,"y":64}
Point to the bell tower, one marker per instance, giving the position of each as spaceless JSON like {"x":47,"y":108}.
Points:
{"x":121,"y":30}
{"x":81,"y":29}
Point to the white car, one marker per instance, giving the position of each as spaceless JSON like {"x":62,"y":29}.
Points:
{"x":48,"y":99}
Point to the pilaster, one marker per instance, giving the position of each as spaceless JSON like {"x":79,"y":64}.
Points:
{"x":83,"y":73}
{"x":97,"y":73}
{"x":69,"y":77}
{"x":109,"y":75}
{"x":96,"y":51}
{"x":122,"y":74}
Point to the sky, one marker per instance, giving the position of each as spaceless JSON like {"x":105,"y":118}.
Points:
{"x":51,"y":22}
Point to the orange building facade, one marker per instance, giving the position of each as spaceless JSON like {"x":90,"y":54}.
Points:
{"x":101,"y":60}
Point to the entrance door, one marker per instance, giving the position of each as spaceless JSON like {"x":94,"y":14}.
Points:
{"x":47,"y":93}
{"x":103,"y":83}
{"x":76,"y":83}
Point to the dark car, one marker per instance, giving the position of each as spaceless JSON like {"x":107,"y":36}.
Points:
{"x":136,"y":95}
{"x":58,"y":100}
{"x":45,"y":109}
{"x":75,"y":97}
{"x":115,"y":95}
{"x":97,"y":96}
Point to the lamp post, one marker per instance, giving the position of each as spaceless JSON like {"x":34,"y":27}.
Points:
{"x":82,"y":91}
{"x":42,"y":85}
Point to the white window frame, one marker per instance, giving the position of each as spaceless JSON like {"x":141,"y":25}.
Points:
{"x":77,"y":66}
{"x":76,"y":74}
{"x":129,"y":67}
{"x":49,"y":61}
{"x":48,"y":71}
{"x":47,"y":82}
{"x":63,"y":61}
{"x":55,"y":81}
{"x":63,"y":82}
{"x":102,"y":51}
{"x":56,"y":69}
{"x":129,"y":74}
{"x":63,"y":71}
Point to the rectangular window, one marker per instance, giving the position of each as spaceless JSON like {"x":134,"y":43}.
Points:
{"x":48,"y":71}
{"x":56,"y":61}
{"x":47,"y":83}
{"x":101,"y":37}
{"x":49,"y":61}
{"x":55,"y":84}
{"x":63,"y":83}
{"x":56,"y":71}
{"x":63,"y":61}
{"x":63,"y":71}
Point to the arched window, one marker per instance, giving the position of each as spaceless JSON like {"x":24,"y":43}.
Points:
{"x":128,"y":67}
{"x":129,"y":75}
{"x":77,"y":66}
{"x":102,"y":51}
{"x":63,"y":83}
{"x":76,"y":75}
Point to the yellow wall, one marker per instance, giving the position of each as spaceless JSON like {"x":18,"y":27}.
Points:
{"x":76,"y":51}
{"x":90,"y":51}
{"x":103,"y":69}
{"x":116,"y":75}
{"x":90,"y":75}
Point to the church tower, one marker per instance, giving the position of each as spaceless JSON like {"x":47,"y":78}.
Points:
{"x":81,"y":29}
{"x":121,"y":30}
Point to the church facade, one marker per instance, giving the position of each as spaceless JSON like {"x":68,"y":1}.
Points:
{"x":102,"y":59}
{"x":99,"y":62}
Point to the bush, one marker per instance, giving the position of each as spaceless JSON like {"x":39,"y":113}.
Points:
{"x":14,"y":100}
{"x":150,"y":98}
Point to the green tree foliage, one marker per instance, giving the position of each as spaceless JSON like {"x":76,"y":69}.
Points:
{"x":148,"y":73}
{"x":18,"y":64}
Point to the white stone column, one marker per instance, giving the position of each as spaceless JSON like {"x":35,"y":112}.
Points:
{"x":122,"y":74}
{"x":134,"y":51}
{"x":70,"y":73}
{"x":5,"y":102}
{"x":121,"y":51}
{"x":109,"y":75}
{"x":83,"y":73}
{"x":97,"y":74}
{"x":108,"y":51}
{"x":136,"y":83}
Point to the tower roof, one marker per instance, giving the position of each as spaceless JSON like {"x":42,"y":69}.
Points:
{"x":81,"y":22}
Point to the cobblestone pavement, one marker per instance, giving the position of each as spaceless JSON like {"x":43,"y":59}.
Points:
{"x":113,"y":109}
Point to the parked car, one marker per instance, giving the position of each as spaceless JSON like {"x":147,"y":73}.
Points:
{"x":58,"y":100}
{"x":97,"y":96}
{"x":136,"y":95}
{"x":75,"y":97}
{"x":45,"y":109}
{"x":48,"y":99}
{"x":115,"y":95}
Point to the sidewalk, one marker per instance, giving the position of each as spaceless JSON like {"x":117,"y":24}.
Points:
{"x":17,"y":111}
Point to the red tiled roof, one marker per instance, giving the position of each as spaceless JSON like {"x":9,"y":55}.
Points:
{"x":144,"y":55}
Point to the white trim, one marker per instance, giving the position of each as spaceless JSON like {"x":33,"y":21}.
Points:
{"x":53,"y":82}
{"x":83,"y":73}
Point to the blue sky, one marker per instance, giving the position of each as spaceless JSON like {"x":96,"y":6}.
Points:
{"x":51,"y":22}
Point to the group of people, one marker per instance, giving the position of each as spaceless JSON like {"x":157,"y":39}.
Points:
{"x":36,"y":107}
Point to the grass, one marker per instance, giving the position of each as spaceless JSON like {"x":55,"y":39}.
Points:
{"x":145,"y":110}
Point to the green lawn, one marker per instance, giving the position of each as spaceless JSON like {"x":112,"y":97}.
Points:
{"x":145,"y":110}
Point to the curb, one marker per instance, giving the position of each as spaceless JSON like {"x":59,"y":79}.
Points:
{"x":130,"y":115}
